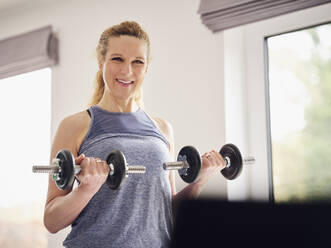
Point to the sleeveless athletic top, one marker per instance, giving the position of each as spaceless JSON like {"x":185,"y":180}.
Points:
{"x":139,"y":214}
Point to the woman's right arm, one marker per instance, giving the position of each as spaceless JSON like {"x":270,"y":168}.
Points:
{"x":63,"y":206}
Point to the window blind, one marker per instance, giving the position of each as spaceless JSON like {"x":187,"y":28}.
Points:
{"x":218,"y":15}
{"x":28,"y":52}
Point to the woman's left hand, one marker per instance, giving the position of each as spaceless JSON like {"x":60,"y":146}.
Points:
{"x":212,"y":163}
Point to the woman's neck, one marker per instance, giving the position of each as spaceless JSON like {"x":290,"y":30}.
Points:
{"x":115,"y":105}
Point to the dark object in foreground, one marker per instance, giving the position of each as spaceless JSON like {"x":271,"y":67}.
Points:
{"x":215,"y":223}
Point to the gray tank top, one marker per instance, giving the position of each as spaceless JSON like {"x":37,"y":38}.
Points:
{"x":139,"y":214}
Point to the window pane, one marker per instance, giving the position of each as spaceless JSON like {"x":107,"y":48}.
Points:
{"x":300,"y":114}
{"x":25,"y":140}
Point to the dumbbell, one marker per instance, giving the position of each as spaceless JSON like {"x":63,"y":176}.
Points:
{"x":63,"y":169}
{"x":189,"y":163}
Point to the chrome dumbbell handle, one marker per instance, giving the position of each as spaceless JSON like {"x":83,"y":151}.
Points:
{"x":246,"y":161}
{"x":136,"y":169}
{"x":132,"y":169}
{"x":45,"y":169}
{"x":184,"y":165}
{"x":55,"y":168}
{"x":176,"y":165}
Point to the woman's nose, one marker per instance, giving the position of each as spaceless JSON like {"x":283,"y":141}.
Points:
{"x":126,"y":68}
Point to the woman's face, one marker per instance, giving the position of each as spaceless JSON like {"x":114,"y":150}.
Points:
{"x":124,"y":67}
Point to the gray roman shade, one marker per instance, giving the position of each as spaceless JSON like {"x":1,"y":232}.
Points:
{"x":27,"y":52}
{"x":218,"y":15}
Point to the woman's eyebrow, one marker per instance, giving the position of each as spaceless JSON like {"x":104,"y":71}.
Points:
{"x":120,"y":55}
{"x":142,"y":58}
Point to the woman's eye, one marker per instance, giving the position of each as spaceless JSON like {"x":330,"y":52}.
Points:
{"x":117,"y":59}
{"x":139,"y":62}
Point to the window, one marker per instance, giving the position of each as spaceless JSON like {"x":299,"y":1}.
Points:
{"x":25,"y":140}
{"x":247,"y":96}
{"x":300,"y":114}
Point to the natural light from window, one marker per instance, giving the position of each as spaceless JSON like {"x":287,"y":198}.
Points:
{"x":300,"y":114}
{"x":25,"y":140}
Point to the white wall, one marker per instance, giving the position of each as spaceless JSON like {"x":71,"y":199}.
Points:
{"x":185,"y":80}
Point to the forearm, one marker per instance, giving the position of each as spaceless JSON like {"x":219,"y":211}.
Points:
{"x":63,"y":210}
{"x":191,"y":191}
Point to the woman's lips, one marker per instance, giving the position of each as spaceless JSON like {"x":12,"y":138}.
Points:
{"x":124,"y":82}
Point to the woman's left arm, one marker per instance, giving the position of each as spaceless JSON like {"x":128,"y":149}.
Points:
{"x":212,"y":163}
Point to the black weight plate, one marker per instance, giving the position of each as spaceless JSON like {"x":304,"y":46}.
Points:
{"x":67,"y":174}
{"x":194,"y":160}
{"x":235,"y":168}
{"x":116,"y":158}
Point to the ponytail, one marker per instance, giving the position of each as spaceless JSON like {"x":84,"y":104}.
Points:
{"x":99,"y":88}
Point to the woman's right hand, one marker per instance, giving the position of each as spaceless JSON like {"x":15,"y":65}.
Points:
{"x":93,"y":174}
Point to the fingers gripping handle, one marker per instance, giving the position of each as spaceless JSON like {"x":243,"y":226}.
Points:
{"x":132,"y":169}
{"x":63,"y":169}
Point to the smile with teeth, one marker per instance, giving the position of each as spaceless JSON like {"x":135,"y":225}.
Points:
{"x":123,"y":81}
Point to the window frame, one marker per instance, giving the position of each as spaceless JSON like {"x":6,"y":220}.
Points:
{"x":247,"y":96}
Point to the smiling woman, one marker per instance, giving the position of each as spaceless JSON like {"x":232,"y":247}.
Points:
{"x":134,"y":55}
{"x":124,"y":69}
{"x":140,"y":214}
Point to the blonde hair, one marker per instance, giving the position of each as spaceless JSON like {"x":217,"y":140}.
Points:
{"x":129,"y":28}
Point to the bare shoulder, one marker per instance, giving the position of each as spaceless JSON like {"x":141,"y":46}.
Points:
{"x":166,"y":129}
{"x":71,"y":132}
{"x":164,"y":126}
{"x":76,"y":121}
